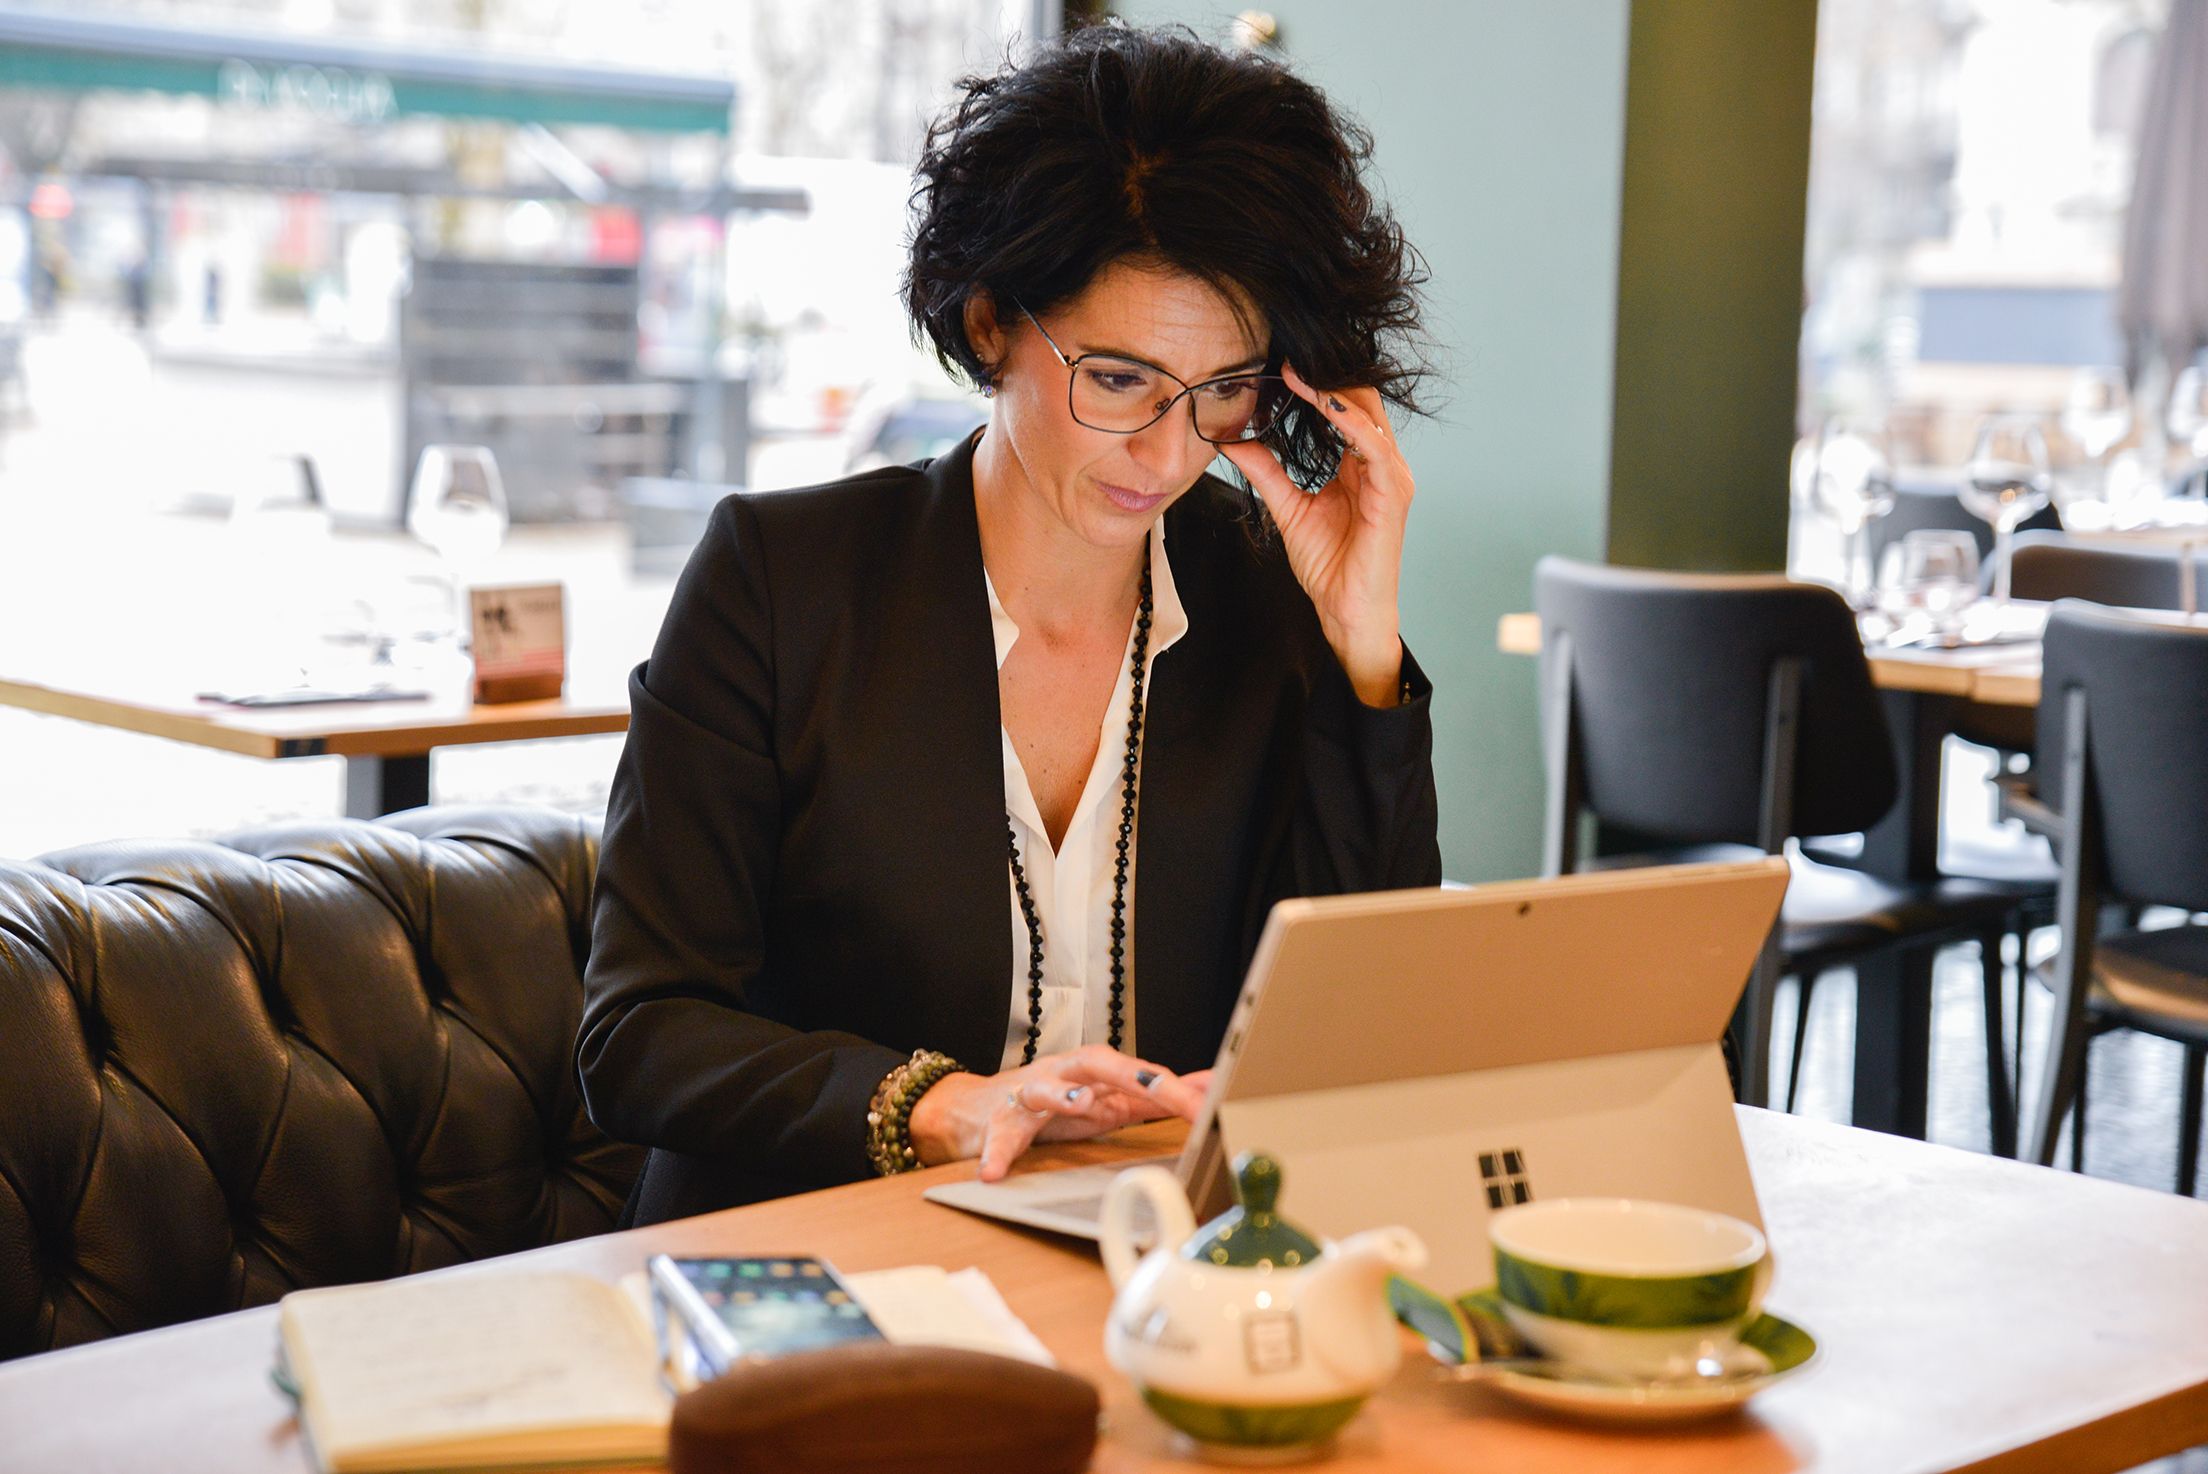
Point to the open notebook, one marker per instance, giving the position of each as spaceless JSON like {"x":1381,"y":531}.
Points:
{"x":488,"y":1371}
{"x":473,"y":1372}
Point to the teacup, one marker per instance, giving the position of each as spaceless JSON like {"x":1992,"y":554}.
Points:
{"x":1629,"y":1287}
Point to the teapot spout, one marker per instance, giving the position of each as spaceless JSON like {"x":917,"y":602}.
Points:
{"x":1353,"y":1330}
{"x":1376,"y":1253}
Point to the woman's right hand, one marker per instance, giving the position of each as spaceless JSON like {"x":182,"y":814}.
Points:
{"x":1061,"y":1097}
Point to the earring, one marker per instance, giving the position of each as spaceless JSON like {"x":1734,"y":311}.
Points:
{"x":988,"y":390}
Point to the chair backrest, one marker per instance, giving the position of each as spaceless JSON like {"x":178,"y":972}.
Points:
{"x":308,"y":1055}
{"x":2145,"y":688}
{"x":1671,"y":688}
{"x":2052,"y":565}
{"x":1922,"y":505}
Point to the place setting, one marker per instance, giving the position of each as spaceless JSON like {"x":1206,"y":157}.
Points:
{"x":1928,"y":590}
{"x":1615,"y":1310}
{"x":1927,"y":600}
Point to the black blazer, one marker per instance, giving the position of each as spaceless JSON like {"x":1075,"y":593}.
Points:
{"x":803,"y":877}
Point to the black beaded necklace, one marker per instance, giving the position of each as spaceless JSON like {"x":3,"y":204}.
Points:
{"x":1119,"y":866}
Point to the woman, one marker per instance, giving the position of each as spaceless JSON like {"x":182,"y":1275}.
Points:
{"x":908,"y":742}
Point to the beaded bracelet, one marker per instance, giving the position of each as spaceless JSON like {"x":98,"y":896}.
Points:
{"x":889,"y":1114}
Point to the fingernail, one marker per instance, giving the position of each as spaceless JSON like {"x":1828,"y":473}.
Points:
{"x":1074,"y":1094}
{"x":1146,"y":1078}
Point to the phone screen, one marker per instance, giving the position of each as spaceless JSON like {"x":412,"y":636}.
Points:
{"x":766,"y":1307}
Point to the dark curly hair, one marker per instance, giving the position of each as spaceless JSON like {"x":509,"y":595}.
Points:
{"x":1121,"y":143}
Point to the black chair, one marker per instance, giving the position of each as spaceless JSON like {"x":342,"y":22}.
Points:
{"x":2056,"y":565}
{"x":1727,"y":710}
{"x":2051,"y":565}
{"x":2123,"y":767}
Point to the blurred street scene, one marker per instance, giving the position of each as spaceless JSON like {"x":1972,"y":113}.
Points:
{"x":256,"y":258}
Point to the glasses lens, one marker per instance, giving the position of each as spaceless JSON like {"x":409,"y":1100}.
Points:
{"x":1119,"y":394}
{"x":1123,"y":396}
{"x":1230,"y":410}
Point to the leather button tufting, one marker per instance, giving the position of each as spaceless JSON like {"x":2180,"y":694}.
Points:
{"x":312,"y":1128}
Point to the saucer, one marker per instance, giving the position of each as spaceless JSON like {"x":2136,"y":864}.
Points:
{"x":1470,"y":1336}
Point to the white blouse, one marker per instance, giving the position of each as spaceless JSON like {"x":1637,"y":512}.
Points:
{"x":1072,"y":887}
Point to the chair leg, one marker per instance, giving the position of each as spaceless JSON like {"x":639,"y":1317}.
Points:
{"x":1806,"y":983}
{"x":2077,"y":1111}
{"x":2061,"y":1084}
{"x":2000,"y":1092}
{"x":2188,"y":1121}
{"x":1751,"y":1029}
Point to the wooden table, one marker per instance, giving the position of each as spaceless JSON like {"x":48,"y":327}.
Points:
{"x":386,"y":746}
{"x":1924,"y":692}
{"x":1974,"y":1314}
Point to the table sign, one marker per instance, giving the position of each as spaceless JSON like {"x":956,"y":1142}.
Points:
{"x":519,"y":641}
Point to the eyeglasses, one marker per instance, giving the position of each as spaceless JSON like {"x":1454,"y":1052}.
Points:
{"x":1123,"y":395}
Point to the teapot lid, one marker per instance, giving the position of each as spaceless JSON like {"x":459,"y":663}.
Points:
{"x":1251,"y":1235}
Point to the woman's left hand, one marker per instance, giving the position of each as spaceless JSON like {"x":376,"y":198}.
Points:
{"x":1345,"y":540}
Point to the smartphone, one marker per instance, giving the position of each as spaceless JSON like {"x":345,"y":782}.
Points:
{"x":732,"y":1310}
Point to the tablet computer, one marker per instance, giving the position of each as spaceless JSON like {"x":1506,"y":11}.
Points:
{"x":1425,"y":1057}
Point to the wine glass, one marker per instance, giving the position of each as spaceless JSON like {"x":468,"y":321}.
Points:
{"x":2097,"y":412}
{"x":2005,"y":482}
{"x":1853,"y":482}
{"x":2132,"y":489}
{"x":1931,"y":573}
{"x":2096,"y":416}
{"x":458,"y":508}
{"x":2187,"y":416}
{"x":279,"y":534}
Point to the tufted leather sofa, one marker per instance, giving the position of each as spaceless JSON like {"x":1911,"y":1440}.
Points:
{"x":306,"y":1055}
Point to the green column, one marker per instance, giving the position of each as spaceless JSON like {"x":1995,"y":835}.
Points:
{"x":1710,"y":281}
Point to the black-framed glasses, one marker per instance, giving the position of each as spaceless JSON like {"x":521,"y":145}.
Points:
{"x":1123,"y":395}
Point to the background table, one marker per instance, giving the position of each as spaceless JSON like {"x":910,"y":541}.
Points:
{"x":1974,"y":1314}
{"x":1924,"y":692}
{"x":1995,"y":675}
{"x":386,"y":745}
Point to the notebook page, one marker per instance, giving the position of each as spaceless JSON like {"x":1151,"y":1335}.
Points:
{"x":923,"y":1306}
{"x":441,"y":1363}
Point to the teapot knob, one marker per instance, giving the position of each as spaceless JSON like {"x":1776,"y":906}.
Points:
{"x":1257,"y":1182}
{"x":1252,"y":1232}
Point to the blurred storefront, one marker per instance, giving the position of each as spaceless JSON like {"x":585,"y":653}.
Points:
{"x":514,"y":251}
{"x":1970,"y":170}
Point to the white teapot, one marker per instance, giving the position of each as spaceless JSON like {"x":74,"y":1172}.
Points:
{"x":1249,"y":1334}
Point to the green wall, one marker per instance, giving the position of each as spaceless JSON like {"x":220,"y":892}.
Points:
{"x":1504,"y":139}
